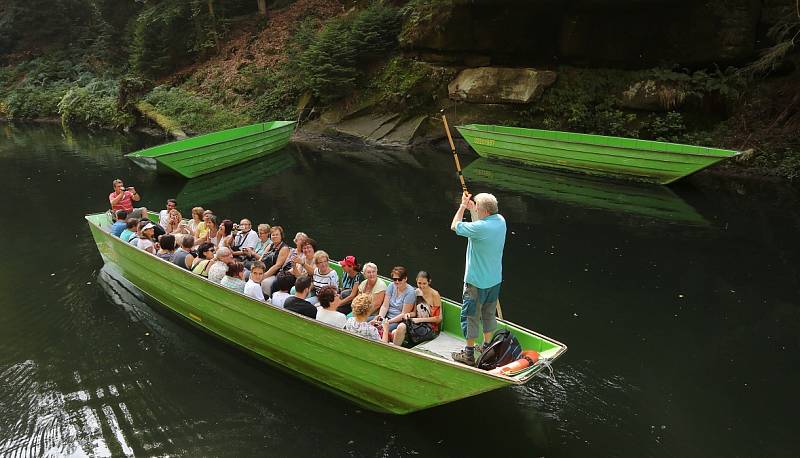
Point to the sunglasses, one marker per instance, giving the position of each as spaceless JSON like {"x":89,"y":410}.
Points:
{"x":397,"y":279}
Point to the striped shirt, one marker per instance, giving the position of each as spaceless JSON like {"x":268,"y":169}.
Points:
{"x":320,"y":280}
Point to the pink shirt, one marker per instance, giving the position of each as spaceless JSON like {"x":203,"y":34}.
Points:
{"x":125,"y":204}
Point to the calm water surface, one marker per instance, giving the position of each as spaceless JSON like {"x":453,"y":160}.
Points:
{"x":683,"y":330}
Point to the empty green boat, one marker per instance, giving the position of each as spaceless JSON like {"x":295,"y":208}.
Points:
{"x":625,"y":158}
{"x":630,"y":198}
{"x":378,"y":376}
{"x":203,"y":154}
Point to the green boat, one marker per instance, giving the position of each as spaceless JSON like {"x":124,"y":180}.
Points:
{"x":208,"y":153}
{"x":636,"y":199}
{"x":625,"y":158}
{"x":378,"y":376}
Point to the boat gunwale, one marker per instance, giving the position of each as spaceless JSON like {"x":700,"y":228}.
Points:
{"x":435,"y":359}
{"x":183,"y":150}
{"x":468,"y":127}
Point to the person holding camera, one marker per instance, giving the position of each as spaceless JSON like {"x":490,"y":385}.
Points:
{"x":122,"y":198}
{"x":244,"y":240}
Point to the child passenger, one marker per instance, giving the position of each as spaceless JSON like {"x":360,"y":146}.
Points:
{"x":234,"y":277}
{"x":253,"y":286}
{"x":329,"y":300}
{"x":358,"y":324}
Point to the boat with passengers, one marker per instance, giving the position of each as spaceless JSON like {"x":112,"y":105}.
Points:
{"x":379,"y":376}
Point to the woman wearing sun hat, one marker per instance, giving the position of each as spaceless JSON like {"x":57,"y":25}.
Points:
{"x":351,"y":278}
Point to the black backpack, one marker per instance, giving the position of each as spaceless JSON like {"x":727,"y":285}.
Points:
{"x":503,"y":349}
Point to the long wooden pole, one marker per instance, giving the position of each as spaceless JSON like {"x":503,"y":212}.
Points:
{"x":463,"y":184}
{"x":455,"y":155}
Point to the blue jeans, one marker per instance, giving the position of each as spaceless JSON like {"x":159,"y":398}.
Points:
{"x":479,"y":306}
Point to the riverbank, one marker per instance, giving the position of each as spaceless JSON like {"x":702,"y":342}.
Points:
{"x":380,"y":74}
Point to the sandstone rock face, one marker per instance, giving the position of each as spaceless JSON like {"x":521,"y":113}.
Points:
{"x":653,"y":95}
{"x":632,"y":33}
{"x":500,"y":85}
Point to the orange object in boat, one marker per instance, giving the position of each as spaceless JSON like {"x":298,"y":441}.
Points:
{"x":529,"y":358}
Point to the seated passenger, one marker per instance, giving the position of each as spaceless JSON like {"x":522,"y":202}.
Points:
{"x":122,"y":198}
{"x":223,"y":259}
{"x":145,"y":241}
{"x":183,"y":255}
{"x":423,"y":325}
{"x":119,"y":225}
{"x":134,"y":240}
{"x":253,"y":286}
{"x":282,"y":286}
{"x":163,"y":215}
{"x":358,"y":323}
{"x":234,"y":277}
{"x":351,"y":278}
{"x":204,"y":260}
{"x":130,"y":229}
{"x":372,"y":286}
{"x":166,"y":247}
{"x":201,"y":233}
{"x":303,"y":262}
{"x":225,"y":234}
{"x":243,"y":240}
{"x":328,"y":302}
{"x":399,"y":301}
{"x":323,"y":274}
{"x":175,"y":223}
{"x":197,"y":218}
{"x":255,"y":253}
{"x":298,"y":302}
{"x":275,"y":258}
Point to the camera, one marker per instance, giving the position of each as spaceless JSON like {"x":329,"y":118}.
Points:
{"x":235,"y":227}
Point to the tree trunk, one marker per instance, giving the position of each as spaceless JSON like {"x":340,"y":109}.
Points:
{"x":262,"y":7}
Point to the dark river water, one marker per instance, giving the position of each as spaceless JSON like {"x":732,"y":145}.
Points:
{"x":681,"y":310}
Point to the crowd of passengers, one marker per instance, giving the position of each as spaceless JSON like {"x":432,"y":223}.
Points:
{"x":261,"y":264}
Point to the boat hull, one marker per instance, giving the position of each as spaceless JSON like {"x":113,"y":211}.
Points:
{"x":208,"y":153}
{"x":381,"y":377}
{"x":625,"y":158}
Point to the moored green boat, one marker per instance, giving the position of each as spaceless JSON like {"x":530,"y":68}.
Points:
{"x":378,"y":376}
{"x":636,"y":199}
{"x":207,"y":153}
{"x":625,"y":158}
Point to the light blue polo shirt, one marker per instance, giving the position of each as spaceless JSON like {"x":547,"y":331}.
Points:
{"x":486,"y":240}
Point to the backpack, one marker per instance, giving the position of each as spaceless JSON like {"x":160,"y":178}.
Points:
{"x":503,"y":349}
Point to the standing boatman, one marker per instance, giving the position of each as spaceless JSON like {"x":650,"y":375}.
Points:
{"x":483,"y":273}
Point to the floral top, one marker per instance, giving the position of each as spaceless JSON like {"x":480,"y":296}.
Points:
{"x":362,"y":328}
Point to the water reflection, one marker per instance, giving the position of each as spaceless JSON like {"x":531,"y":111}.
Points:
{"x":645,"y":201}
{"x":221,"y":185}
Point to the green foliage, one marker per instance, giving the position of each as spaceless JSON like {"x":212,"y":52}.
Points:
{"x":94,"y":105}
{"x":421,"y":14}
{"x":789,"y":166}
{"x":786,"y":36}
{"x":726,"y":83}
{"x":332,"y":62}
{"x":29,"y":102}
{"x":278,"y":94}
{"x":667,"y":128}
{"x":584,"y":101}
{"x":192,"y":111}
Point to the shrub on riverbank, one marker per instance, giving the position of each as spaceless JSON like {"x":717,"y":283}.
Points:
{"x":192,"y":111}
{"x":94,"y":105}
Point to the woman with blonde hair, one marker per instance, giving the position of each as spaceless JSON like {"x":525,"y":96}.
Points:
{"x":323,"y":275}
{"x":372,"y":286}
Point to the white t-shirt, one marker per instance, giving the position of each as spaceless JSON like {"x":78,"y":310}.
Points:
{"x":253,"y":290}
{"x":331,"y":317}
{"x":163,"y":218}
{"x":278,"y":297}
{"x":248,"y":241}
